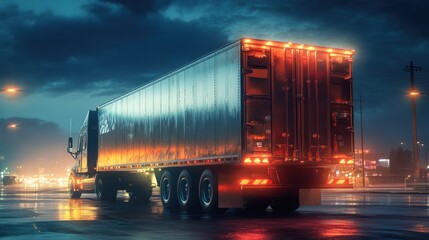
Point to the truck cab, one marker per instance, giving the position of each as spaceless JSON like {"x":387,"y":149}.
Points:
{"x":81,"y":176}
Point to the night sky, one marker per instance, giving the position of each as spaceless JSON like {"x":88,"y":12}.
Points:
{"x":72,"y":55}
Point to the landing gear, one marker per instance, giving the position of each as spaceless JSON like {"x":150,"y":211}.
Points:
{"x":141,"y":193}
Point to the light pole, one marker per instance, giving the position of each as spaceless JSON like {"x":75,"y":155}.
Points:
{"x":426,"y":167}
{"x":361,"y":139}
{"x":426,"y":158}
{"x":1,"y":163}
{"x":8,"y":91}
{"x":425,"y":150}
{"x":411,"y":68}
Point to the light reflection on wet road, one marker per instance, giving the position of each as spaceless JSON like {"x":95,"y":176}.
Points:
{"x":47,"y":213}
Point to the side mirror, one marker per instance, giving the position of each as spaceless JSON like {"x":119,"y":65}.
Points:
{"x":70,"y":145}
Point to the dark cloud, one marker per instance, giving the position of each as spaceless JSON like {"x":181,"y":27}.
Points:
{"x":141,"y":7}
{"x":61,"y":54}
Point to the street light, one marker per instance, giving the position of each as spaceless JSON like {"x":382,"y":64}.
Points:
{"x":10,"y":90}
{"x":425,"y":168}
{"x":12,"y":126}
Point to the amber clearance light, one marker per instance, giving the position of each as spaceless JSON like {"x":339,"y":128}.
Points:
{"x":264,"y":44}
{"x":256,"y":160}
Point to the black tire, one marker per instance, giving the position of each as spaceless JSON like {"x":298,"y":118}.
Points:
{"x":207,"y":192}
{"x":105,"y":189}
{"x":186,"y":191}
{"x":168,"y":190}
{"x":73,"y":193}
{"x":286,"y":204}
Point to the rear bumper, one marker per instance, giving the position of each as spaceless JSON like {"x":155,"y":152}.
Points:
{"x":306,"y":196}
{"x":239,"y":183}
{"x":266,"y":191}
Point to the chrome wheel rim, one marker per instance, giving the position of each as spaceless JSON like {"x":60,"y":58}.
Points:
{"x":166,"y":190}
{"x":206,"y":192}
{"x":183,"y":191}
{"x":99,"y":186}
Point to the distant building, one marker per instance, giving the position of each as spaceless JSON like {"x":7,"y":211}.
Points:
{"x":383,"y":162}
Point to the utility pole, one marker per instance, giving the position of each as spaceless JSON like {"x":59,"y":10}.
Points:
{"x":1,"y":163}
{"x":361,"y":141}
{"x":411,"y":68}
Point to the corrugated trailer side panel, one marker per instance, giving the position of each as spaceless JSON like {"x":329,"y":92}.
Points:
{"x":192,"y":114}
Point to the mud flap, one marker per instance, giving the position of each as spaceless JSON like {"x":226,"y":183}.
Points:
{"x":310,"y":197}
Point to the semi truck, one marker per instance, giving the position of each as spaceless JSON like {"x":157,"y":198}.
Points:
{"x":256,"y":123}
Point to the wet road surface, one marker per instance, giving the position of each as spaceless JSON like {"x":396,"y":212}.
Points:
{"x":45,"y":212}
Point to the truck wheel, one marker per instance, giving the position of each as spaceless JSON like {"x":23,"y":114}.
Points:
{"x":208,"y":191}
{"x":168,"y":190}
{"x":104,"y":189}
{"x":141,"y":193}
{"x":73,"y":193}
{"x":186,"y":191}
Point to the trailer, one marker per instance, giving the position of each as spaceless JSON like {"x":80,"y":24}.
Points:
{"x":253,"y":124}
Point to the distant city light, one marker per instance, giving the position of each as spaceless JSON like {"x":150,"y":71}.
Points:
{"x":384,"y":162}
